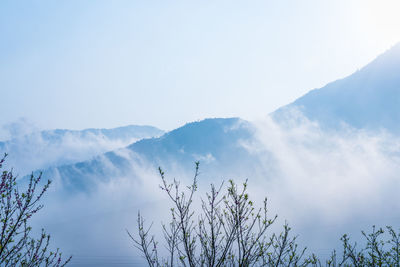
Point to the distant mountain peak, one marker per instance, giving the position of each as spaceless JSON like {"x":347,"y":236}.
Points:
{"x":368,"y":99}
{"x":43,"y":149}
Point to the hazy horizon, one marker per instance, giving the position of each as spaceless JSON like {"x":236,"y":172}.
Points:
{"x":328,"y":160}
{"x":97,"y":64}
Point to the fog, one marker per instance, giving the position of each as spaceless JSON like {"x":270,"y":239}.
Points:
{"x":29,"y":148}
{"x":324,"y":184}
{"x":329,"y":183}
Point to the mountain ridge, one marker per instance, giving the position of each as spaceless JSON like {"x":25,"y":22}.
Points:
{"x":368,"y":98}
{"x":44,"y":149}
{"x":216,"y":141}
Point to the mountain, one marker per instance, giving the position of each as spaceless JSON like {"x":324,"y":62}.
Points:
{"x":316,"y":178}
{"x":216,"y":143}
{"x":44,"y":149}
{"x":212,"y":141}
{"x":368,"y":99}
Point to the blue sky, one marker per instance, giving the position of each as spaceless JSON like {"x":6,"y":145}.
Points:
{"x":79,"y":64}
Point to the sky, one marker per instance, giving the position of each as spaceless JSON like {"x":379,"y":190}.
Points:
{"x":81,"y":64}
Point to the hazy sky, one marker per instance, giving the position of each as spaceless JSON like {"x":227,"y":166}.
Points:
{"x":79,"y":64}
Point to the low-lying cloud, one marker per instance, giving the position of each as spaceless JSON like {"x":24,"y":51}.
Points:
{"x":327,"y":183}
{"x":324,"y":183}
{"x":38,"y":150}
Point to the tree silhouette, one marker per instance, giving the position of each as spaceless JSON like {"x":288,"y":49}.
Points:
{"x":230,"y":231}
{"x":17,"y":246}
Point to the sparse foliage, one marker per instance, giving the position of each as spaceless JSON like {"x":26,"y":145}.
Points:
{"x":379,"y":250}
{"x":231,"y":231}
{"x":17,"y":247}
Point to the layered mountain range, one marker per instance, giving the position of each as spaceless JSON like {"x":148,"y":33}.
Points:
{"x":322,"y":170}
{"x":45,"y":149}
{"x":368,"y":99}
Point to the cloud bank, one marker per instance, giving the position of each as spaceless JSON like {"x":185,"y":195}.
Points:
{"x":327,"y":183}
{"x":30,"y":149}
{"x":324,"y":183}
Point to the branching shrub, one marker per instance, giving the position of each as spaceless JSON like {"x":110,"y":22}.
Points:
{"x":230,"y":231}
{"x":17,"y":247}
{"x":379,"y":250}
